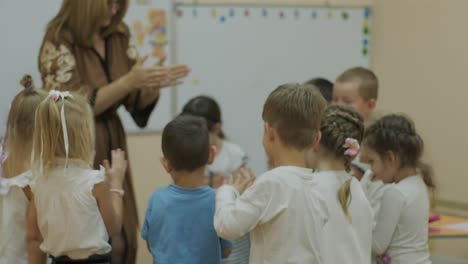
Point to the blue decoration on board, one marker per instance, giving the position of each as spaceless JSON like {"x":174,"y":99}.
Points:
{"x":296,"y":14}
{"x":194,"y":12}
{"x":367,"y":12}
{"x":222,"y":19}
{"x":365,"y":42}
{"x":264,"y":12}
{"x":232,"y":12}
{"x":314,"y":14}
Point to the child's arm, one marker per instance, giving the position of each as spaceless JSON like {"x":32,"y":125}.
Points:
{"x":237,"y":216}
{"x":34,"y":237}
{"x":226,"y":248}
{"x":387,"y":220}
{"x":109,"y":202}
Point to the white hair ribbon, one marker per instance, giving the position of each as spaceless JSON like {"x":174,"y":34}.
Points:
{"x":55,"y":95}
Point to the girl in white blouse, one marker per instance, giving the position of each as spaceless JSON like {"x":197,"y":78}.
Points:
{"x":394,"y":149}
{"x":15,"y":175}
{"x":74,"y":210}
{"x":347,"y":235}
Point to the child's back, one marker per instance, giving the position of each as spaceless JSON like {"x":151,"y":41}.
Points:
{"x":281,"y":210}
{"x":345,"y":241}
{"x":288,"y":228}
{"x":15,"y":174}
{"x":179,"y":225}
{"x":13,"y":207}
{"x":68,"y":215}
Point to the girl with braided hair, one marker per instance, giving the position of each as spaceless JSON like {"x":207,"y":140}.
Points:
{"x":348,"y":233}
{"x":394,"y":149}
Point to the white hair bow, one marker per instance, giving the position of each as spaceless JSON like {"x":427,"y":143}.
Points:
{"x":56,"y":95}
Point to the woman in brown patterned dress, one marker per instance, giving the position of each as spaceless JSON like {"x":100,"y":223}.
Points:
{"x":87,"y":47}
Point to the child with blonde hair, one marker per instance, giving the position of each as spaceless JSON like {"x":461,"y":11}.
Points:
{"x":74,"y":209}
{"x":347,"y":236}
{"x":15,"y":175}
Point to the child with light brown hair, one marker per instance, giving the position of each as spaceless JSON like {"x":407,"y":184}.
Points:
{"x":14,"y":172}
{"x":281,"y":209}
{"x":74,"y":209}
{"x":348,"y":232}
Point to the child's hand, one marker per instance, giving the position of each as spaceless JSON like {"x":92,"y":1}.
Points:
{"x":242,"y":179}
{"x":115,"y":175}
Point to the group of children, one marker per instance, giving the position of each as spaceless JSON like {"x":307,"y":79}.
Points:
{"x":343,"y":186}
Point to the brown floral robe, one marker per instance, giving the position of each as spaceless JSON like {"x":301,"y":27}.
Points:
{"x":64,"y":65}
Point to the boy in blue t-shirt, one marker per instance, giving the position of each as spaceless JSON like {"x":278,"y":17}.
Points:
{"x":178,"y":224}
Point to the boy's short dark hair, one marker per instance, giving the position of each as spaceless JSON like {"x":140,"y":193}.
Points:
{"x":295,"y":111}
{"x":325,"y":87}
{"x":185,"y":143}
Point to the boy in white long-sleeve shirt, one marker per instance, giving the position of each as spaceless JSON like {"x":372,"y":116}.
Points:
{"x":282,"y":210}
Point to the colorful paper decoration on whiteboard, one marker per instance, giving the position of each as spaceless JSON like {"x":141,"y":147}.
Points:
{"x":365,"y":31}
{"x":296,"y":14}
{"x":314,"y":14}
{"x":154,"y":31}
{"x":264,"y":12}
{"x":345,"y":15}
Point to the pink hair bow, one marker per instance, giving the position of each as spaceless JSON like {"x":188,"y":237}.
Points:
{"x":384,"y":259}
{"x":352,"y":147}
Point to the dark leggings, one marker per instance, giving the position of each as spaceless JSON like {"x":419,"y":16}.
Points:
{"x":95,"y":259}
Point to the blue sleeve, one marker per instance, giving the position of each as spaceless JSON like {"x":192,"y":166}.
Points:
{"x":146,"y":224}
{"x":225,"y":243}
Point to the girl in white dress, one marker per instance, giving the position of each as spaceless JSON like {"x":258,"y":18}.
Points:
{"x":74,"y":208}
{"x":347,"y":235}
{"x":15,"y":175}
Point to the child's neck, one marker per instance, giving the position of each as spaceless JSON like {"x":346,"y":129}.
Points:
{"x":189,"y":180}
{"x":15,"y":168}
{"x":288,"y":156}
{"x":329,"y":164}
{"x":405,"y":173}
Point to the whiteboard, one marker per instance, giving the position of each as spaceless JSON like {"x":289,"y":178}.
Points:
{"x":24,"y":23}
{"x":239,"y":54}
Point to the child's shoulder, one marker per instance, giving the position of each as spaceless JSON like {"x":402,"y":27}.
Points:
{"x":20,"y":181}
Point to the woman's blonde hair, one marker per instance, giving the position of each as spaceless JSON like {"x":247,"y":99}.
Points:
{"x":82,"y":19}
{"x":20,"y":127}
{"x":49,"y":143}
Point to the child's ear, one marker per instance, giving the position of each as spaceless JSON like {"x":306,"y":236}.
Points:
{"x":217,"y":128}
{"x":211,"y":155}
{"x":392,"y":158}
{"x":372,"y":103}
{"x":270,"y":132}
{"x":166,"y":164}
{"x":316,"y":141}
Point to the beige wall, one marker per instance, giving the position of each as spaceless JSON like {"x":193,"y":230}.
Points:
{"x":420,"y":53}
{"x":421,"y":57}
